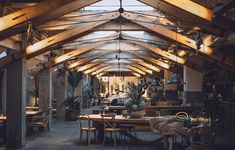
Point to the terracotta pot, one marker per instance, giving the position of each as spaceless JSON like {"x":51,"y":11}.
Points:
{"x":135,"y":114}
{"x":71,"y":115}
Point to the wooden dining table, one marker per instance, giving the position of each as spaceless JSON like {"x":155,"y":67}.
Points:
{"x":143,"y":121}
{"x":171,"y":109}
{"x":30,"y":113}
{"x":119,"y":119}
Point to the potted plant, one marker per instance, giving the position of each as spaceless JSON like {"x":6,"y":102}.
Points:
{"x":72,"y":102}
{"x":135,"y":103}
{"x":34,"y":93}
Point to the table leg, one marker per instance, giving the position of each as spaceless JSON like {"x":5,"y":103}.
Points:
{"x":100,"y":129}
{"x":4,"y":134}
{"x":171,"y":141}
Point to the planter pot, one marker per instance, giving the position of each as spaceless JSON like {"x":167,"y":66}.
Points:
{"x":71,"y":115}
{"x":135,"y":114}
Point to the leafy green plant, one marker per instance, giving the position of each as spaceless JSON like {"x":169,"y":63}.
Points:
{"x":135,"y":92}
{"x":35,"y":94}
{"x":72,"y":102}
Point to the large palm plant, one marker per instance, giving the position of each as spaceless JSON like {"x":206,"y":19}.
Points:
{"x":72,"y":102}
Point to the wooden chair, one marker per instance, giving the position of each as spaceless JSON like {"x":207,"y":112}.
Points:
{"x":110,"y":126}
{"x":182,"y":114}
{"x":40,"y":121}
{"x":88,"y":129}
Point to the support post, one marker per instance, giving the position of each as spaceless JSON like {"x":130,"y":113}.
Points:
{"x":15,"y":106}
{"x":45,"y":93}
{"x":60,"y":93}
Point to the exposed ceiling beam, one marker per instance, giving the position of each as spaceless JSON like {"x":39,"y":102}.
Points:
{"x":38,"y":14}
{"x":110,"y":26}
{"x":65,"y":57}
{"x":165,"y":32}
{"x":187,"y":12}
{"x":205,"y":51}
{"x":45,"y":45}
{"x":135,"y":69}
{"x":152,"y":60}
{"x":8,"y":43}
{"x":146,"y":65}
{"x":95,"y":68}
{"x":193,"y":8}
{"x":158,"y":51}
{"x":100,"y":70}
{"x":67,"y":35}
{"x":89,"y":65}
{"x":142,"y":68}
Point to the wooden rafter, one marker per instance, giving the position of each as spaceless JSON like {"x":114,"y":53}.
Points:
{"x":152,"y":60}
{"x":69,"y":34}
{"x":67,"y":57}
{"x":46,"y":44}
{"x":95,"y":68}
{"x":204,"y":51}
{"x":186,"y":15}
{"x":38,"y":14}
{"x":89,"y":65}
{"x":146,"y":65}
{"x":142,"y":68}
{"x":158,"y":51}
{"x":100,"y":70}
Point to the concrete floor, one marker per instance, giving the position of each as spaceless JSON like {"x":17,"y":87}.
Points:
{"x":64,"y":135}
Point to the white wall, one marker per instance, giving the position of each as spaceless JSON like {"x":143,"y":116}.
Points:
{"x":193,"y":80}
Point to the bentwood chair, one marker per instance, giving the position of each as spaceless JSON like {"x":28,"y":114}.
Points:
{"x":40,"y":121}
{"x":88,"y":129}
{"x":110,"y":126}
{"x":182,"y":114}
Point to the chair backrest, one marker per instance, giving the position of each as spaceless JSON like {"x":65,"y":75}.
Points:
{"x":182,"y":114}
{"x":109,"y":120}
{"x":87,"y":119}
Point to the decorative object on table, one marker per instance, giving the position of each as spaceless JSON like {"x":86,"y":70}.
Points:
{"x":135,"y":103}
{"x":155,"y":96}
{"x":72,"y":102}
